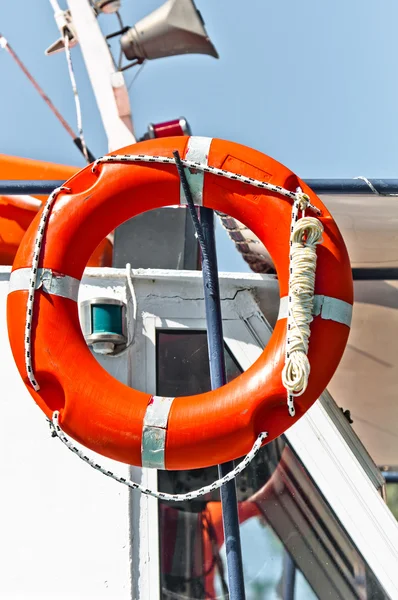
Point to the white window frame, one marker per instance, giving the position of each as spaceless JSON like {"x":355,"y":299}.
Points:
{"x":239,"y":339}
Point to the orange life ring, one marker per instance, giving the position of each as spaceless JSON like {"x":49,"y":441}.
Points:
{"x":196,"y":431}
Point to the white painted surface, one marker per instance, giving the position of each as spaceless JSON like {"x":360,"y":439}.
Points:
{"x":64,"y":528}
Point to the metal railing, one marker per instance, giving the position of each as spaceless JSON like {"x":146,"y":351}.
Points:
{"x":319,"y":186}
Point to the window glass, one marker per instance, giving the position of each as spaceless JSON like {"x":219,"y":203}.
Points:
{"x":183,"y":362}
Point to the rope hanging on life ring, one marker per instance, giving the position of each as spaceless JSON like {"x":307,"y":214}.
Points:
{"x":306,"y":234}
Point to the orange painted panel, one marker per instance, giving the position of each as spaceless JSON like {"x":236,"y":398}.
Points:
{"x":17,"y":212}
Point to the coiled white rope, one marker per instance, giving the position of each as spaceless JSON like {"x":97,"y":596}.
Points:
{"x":306,"y":234}
{"x":59,"y":433}
{"x":76,"y":96}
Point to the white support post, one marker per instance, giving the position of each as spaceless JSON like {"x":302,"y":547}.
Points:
{"x":108,"y":84}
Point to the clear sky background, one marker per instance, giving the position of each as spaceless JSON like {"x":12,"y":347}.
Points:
{"x":312,"y":83}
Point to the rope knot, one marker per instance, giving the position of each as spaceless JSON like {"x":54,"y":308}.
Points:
{"x":302,"y":199}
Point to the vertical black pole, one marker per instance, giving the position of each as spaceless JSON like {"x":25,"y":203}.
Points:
{"x":289,"y":577}
{"x":215,"y":342}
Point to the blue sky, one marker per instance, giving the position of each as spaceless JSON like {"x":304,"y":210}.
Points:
{"x":311,"y":83}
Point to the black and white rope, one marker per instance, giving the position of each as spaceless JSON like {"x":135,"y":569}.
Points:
{"x":33,"y":282}
{"x":300,"y":199}
{"x":58,"y":432}
{"x":190,"y":164}
{"x":76,"y":97}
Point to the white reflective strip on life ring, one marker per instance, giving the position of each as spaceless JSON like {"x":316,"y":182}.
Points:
{"x":327,"y":307}
{"x":198,"y":149}
{"x":48,"y":281}
{"x":154,"y":432}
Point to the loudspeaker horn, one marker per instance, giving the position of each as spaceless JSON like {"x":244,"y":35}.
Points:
{"x":175,"y":28}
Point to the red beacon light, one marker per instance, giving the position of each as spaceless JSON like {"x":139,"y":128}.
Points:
{"x":167,"y":129}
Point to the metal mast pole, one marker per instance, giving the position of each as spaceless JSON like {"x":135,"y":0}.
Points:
{"x":108,"y":84}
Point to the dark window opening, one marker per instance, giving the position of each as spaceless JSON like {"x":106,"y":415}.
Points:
{"x":182,"y":363}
